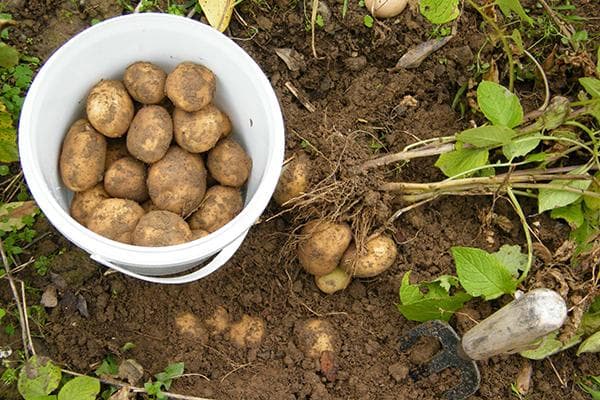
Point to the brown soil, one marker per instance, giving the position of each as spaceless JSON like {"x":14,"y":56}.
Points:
{"x":357,"y":99}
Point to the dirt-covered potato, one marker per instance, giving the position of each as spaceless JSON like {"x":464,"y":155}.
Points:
{"x":189,"y":325}
{"x":126,"y":179}
{"x":109,"y":108}
{"x":219,"y":206}
{"x":219,"y":321}
{"x":82,"y":157}
{"x":145,"y":82}
{"x":161,"y":228}
{"x":293,"y":180}
{"x":380,"y":253}
{"x":334,"y":281}
{"x":316,"y":336}
{"x":228,"y":163}
{"x":115,"y":219}
{"x":85,"y":202}
{"x":115,"y":150}
{"x":150,"y":134}
{"x":248,"y":332}
{"x":190,"y":86}
{"x":200,"y":131}
{"x":177,"y":182}
{"x":322,"y":245}
{"x":199,"y":234}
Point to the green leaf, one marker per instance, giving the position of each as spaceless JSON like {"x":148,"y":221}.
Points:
{"x":573,"y":214}
{"x":2,"y":313}
{"x":506,"y":6}
{"x":435,"y":304}
{"x":368,"y":21}
{"x":590,"y":323}
{"x":516,"y":37}
{"x":549,"y":199}
{"x":9,"y":56}
{"x":14,"y":216}
{"x":591,"y":386}
{"x":171,"y":372}
{"x":590,"y":345}
{"x":8,"y":137}
{"x":521,"y":146}
{"x":38,"y":377}
{"x":447,"y":282}
{"x":511,"y":258}
{"x":499,"y":105}
{"x":486,"y":136}
{"x":108,"y":367}
{"x":481,"y":274}
{"x":439,"y":11}
{"x":548,"y":346}
{"x":80,"y":388}
{"x":461,"y":160}
{"x":591,"y":85}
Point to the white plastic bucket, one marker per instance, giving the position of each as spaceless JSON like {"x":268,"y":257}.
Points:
{"x":57,"y":97}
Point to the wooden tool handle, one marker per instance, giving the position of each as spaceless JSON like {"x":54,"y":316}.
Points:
{"x":517,"y":325}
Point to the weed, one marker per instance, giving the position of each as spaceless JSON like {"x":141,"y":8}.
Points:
{"x":42,"y":265}
{"x":368,"y":21}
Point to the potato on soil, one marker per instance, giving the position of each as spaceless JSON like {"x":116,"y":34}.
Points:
{"x":248,"y":332}
{"x":161,"y":228}
{"x":145,"y":82}
{"x":334,"y":281}
{"x":190,"y":86}
{"x":85,"y":202}
{"x":150,"y":134}
{"x":115,"y":150}
{"x":126,"y":179}
{"x":316,"y":336}
{"x":82,"y":157}
{"x":189,"y":325}
{"x":109,"y":108}
{"x":219,"y":321}
{"x":380,"y":253}
{"x":116,"y":219}
{"x":322,"y":245}
{"x":177,"y":182}
{"x":200,"y":131}
{"x":228,"y":163}
{"x":219,"y":206}
{"x":199,"y":234}
{"x":293,"y":180}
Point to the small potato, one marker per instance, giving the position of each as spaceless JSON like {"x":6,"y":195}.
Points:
{"x":109,"y":108}
{"x":145,"y":82}
{"x":85,"y":202}
{"x":161,"y":228}
{"x":380,"y":254}
{"x":190,"y":86}
{"x":177,"y":182}
{"x":115,"y":150}
{"x":334,"y":281}
{"x":200,"y":131}
{"x":293,"y":180}
{"x":316,"y":336}
{"x":385,"y":8}
{"x":219,"y":206}
{"x":322,"y":246}
{"x":219,"y":321}
{"x":150,"y":134}
{"x":126,"y":179}
{"x":199,"y":234}
{"x":228,"y":163}
{"x":189,"y":325}
{"x":115,"y":219}
{"x":248,"y":332}
{"x":82,"y":157}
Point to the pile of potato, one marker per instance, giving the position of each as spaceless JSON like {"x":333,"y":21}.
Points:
{"x":153,"y":164}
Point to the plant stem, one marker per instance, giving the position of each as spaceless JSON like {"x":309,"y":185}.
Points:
{"x":407,"y":155}
{"x":519,"y":211}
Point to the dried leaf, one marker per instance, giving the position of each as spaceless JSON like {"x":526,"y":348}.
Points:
{"x":218,"y":12}
{"x":49,"y":298}
{"x":131,"y":371}
{"x":121,"y":394}
{"x":14,"y":216}
{"x":291,"y":58}
{"x":416,"y":55}
{"x":523,"y":382}
{"x":82,"y":306}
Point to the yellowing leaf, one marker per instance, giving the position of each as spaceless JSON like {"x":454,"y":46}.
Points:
{"x":217,"y":12}
{"x":14,"y":216}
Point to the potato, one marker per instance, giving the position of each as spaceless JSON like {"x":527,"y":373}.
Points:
{"x":189,"y":325}
{"x":380,"y":253}
{"x":82,"y":157}
{"x":199,"y":131}
{"x":385,"y":8}
{"x":190,"y":86}
{"x":149,"y":206}
{"x":126,"y":179}
{"x":150,"y":134}
{"x":316,"y":336}
{"x":322,"y":246}
{"x":177,"y":182}
{"x":293,"y":180}
{"x":85,"y":202}
{"x":219,"y":322}
{"x":115,"y":219}
{"x":145,"y":82}
{"x":334,"y":281}
{"x":109,"y":108}
{"x":219,"y":206}
{"x":115,"y":150}
{"x":161,"y":228}
{"x":248,"y":332}
{"x":228,"y":163}
{"x":199,"y":234}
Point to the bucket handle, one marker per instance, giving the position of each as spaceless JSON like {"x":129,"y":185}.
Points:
{"x":220,"y":259}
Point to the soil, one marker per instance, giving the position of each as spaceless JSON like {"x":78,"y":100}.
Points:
{"x":358,"y":101}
